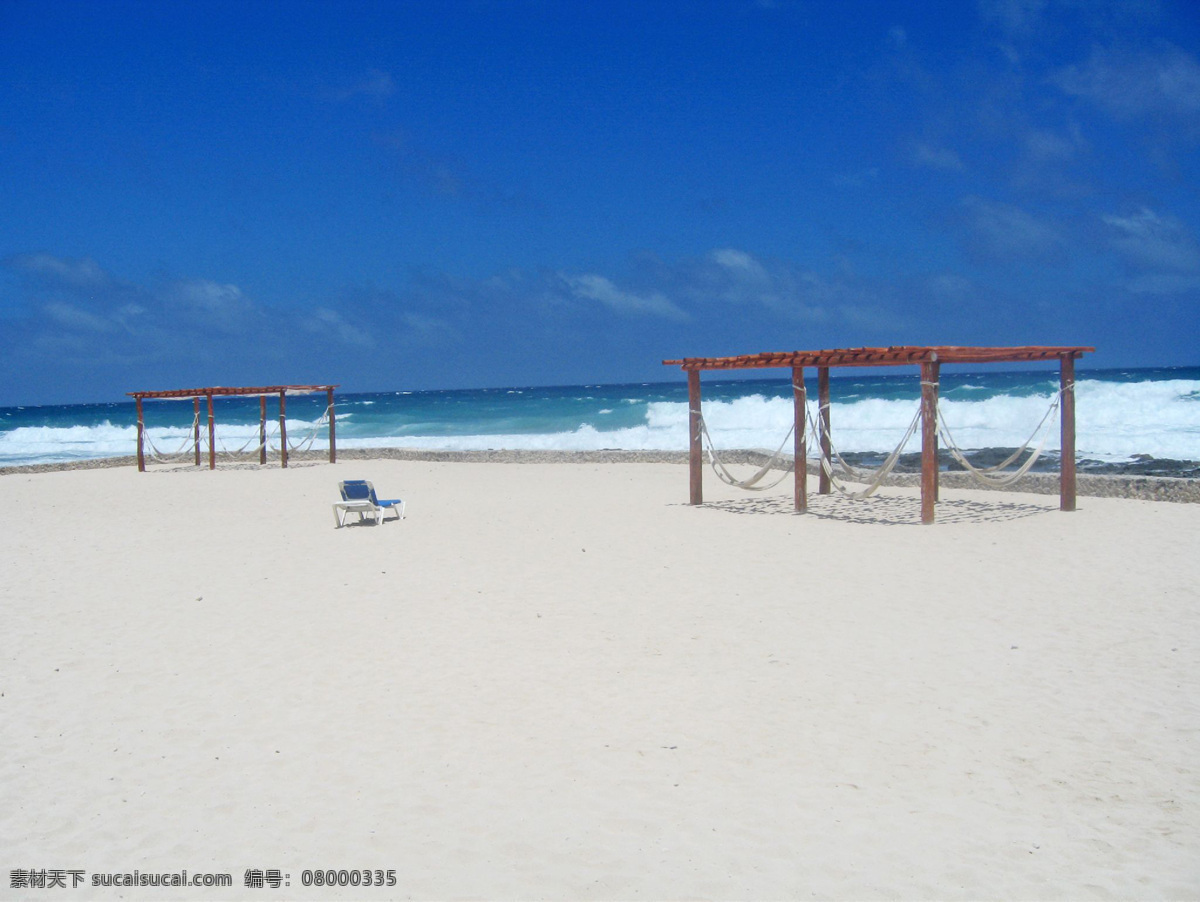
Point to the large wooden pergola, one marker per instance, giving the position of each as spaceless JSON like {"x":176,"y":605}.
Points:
{"x":929,"y":359}
{"x":262,"y":392}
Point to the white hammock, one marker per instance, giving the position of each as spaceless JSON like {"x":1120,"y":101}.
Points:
{"x":874,"y":479}
{"x":983,"y":475}
{"x":306,"y":443}
{"x":253,"y":444}
{"x":188,"y":445}
{"x":751,"y":484}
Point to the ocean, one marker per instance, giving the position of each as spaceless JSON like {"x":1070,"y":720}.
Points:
{"x":1143,"y":421}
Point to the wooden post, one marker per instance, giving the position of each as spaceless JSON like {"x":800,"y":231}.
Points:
{"x":283,"y":449}
{"x":695,"y":452}
{"x":262,"y":429}
{"x":212,"y":436}
{"x":929,"y":463}
{"x":824,"y":487}
{"x":196,"y":428}
{"x":799,"y":400}
{"x":332,"y":429}
{"x":141,"y":438}
{"x":1066,"y":412}
{"x":936,"y":368}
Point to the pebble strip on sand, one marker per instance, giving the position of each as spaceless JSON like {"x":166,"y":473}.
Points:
{"x":1146,"y":488}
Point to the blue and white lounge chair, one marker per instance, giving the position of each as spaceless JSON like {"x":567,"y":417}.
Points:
{"x":358,"y":497}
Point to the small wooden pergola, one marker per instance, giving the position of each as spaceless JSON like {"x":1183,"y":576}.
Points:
{"x":929,"y":359}
{"x":262,"y":392}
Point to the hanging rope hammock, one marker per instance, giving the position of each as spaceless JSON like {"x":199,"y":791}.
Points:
{"x":306,"y":443}
{"x":984,"y":475}
{"x":265,"y":441}
{"x":751,"y":484}
{"x":188,"y":446}
{"x":875,"y":478}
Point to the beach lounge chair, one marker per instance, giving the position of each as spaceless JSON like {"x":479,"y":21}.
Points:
{"x":358,"y":497}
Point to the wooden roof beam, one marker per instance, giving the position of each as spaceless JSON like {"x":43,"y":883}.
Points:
{"x":224,"y":392}
{"x":893,"y":356}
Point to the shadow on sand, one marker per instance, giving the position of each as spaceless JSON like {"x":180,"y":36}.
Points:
{"x":886,"y":510}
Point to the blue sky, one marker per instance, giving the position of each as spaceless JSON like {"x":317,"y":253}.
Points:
{"x":466,"y":194}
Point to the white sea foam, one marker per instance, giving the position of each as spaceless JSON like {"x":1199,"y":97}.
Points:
{"x":1116,"y":421}
{"x":58,"y":444}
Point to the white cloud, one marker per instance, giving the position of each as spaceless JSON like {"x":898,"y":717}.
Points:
{"x":209,"y":296}
{"x":777,"y":291}
{"x":1163,"y":283}
{"x":597,"y":288}
{"x":733,"y":277}
{"x":1155,"y":242}
{"x":1136,"y":85}
{"x":425,"y":327}
{"x":204,"y":304}
{"x":67,"y":272}
{"x":1047,"y":146}
{"x":1014,"y":16}
{"x":75,"y":318}
{"x":207,"y":328}
{"x":857,"y":179}
{"x":218,"y":305}
{"x":937,"y":158}
{"x":739,"y":263}
{"x":375,"y":85}
{"x":951,"y":286}
{"x":324,"y":321}
{"x":1005,"y":232}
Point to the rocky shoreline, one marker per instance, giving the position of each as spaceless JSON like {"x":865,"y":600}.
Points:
{"x":1147,"y":488}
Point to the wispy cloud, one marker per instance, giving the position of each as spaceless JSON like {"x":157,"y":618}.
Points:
{"x":950,"y":286}
{"x":1039,"y":20}
{"x":776,"y":292}
{"x":1162,"y":254}
{"x":1134,"y":85}
{"x":374,"y":85}
{"x":1001,"y":232}
{"x":60,"y":272}
{"x":444,"y":175}
{"x":77,"y":319}
{"x":741,"y":263}
{"x":858,"y":179}
{"x":208,"y":297}
{"x":1048,"y":146}
{"x":80,"y":305}
{"x":1018,"y":17}
{"x":734,"y":276}
{"x":324,"y":320}
{"x":725,"y":284}
{"x":936,"y":157}
{"x":211,"y":305}
{"x":592,"y":287}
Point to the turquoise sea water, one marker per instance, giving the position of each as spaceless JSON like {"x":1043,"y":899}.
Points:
{"x":1139,"y":420}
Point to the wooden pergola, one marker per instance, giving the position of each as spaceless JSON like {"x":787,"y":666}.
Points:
{"x":929,"y":359}
{"x":262,"y":392}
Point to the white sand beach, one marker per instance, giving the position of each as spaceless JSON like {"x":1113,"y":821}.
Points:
{"x":561,"y":681}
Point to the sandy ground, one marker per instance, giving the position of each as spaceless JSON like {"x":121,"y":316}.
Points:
{"x":561,"y":681}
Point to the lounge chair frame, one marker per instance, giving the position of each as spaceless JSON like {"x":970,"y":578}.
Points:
{"x":358,"y":497}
